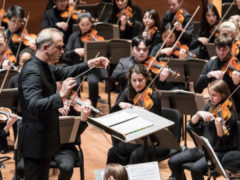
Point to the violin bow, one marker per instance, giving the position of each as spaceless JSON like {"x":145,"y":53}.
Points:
{"x":100,"y":16}
{"x":74,"y":96}
{"x":190,"y":20}
{"x":158,"y":52}
{"x":139,"y":97}
{"x":71,"y":12}
{"x":3,"y":6}
{"x":88,"y":69}
{"x":4,"y":80}
{"x":24,"y":28}
{"x":211,"y":35}
{"x":121,"y":13}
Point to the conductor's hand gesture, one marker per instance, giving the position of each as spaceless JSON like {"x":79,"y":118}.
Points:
{"x":67,"y":86}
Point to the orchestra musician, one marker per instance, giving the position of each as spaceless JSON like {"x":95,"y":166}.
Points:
{"x":39,"y":135}
{"x":138,"y":80}
{"x":212,"y":69}
{"x":140,"y":54}
{"x":231,"y":163}
{"x":75,"y":52}
{"x":53,"y":18}
{"x":207,"y":124}
{"x":115,"y":172}
{"x":179,"y":17}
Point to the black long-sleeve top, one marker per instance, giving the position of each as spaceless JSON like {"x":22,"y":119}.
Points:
{"x":203,"y":80}
{"x":209,"y":131}
{"x":187,"y":35}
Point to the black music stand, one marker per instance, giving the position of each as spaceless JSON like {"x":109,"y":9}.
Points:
{"x":211,"y":49}
{"x":193,"y":68}
{"x":2,"y":75}
{"x":234,"y":10}
{"x":92,"y":48}
{"x":211,"y":158}
{"x":188,"y":103}
{"x":68,"y":128}
{"x":9,"y":98}
{"x":107,"y":30}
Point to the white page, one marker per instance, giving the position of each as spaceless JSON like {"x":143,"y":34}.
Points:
{"x":144,"y":171}
{"x":115,"y":118}
{"x":132,"y":126}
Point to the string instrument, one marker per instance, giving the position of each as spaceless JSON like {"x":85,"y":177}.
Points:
{"x":8,"y":55}
{"x":157,"y":66}
{"x":5,"y":112}
{"x":127,"y":11}
{"x":3,"y":16}
{"x":25,"y":37}
{"x":215,"y":32}
{"x":151,"y":31}
{"x":231,"y":65}
{"x":71,"y":12}
{"x":223,"y":111}
{"x":92,"y":36}
{"x":179,"y":16}
{"x":179,"y":46}
{"x":145,"y":100}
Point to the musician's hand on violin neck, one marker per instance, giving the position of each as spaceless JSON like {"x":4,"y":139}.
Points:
{"x":216,"y":74}
{"x":125,"y":105}
{"x":62,"y":25}
{"x":167,"y":51}
{"x":100,"y":62}
{"x":64,"y":110}
{"x":67,"y":86}
{"x":178,"y":26}
{"x":236,"y":77}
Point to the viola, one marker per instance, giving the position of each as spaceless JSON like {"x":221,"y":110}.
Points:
{"x":179,"y":16}
{"x":5,"y":112}
{"x":157,"y":66}
{"x":126,"y":11}
{"x":70,"y":11}
{"x":231,"y":65}
{"x":92,"y":36}
{"x":145,"y":100}
{"x":223,"y":111}
{"x":25,"y":37}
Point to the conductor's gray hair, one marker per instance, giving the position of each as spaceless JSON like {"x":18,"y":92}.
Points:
{"x":47,"y":36}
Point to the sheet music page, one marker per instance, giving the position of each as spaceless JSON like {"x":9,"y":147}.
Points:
{"x":144,"y":171}
{"x":115,"y":118}
{"x":132,"y":126}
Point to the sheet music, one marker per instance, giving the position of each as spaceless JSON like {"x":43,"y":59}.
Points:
{"x":144,"y":171}
{"x":132,"y":126}
{"x":116,"y":119}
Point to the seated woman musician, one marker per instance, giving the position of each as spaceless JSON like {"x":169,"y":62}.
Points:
{"x":209,"y":22}
{"x":216,"y":122}
{"x":180,"y":51}
{"x":7,"y":59}
{"x":151,"y":27}
{"x":75,"y":52}
{"x":138,"y":80}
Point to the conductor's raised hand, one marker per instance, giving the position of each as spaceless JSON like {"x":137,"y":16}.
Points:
{"x":67,"y":86}
{"x":100,"y":62}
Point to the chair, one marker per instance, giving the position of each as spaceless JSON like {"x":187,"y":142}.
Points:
{"x":175,"y":116}
{"x":3,"y":159}
{"x":19,"y":163}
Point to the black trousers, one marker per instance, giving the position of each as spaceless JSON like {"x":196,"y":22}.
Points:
{"x":36,"y":169}
{"x":66,"y":160}
{"x":194,"y":155}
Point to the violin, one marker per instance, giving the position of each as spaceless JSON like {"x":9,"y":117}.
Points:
{"x":177,"y":49}
{"x":151,"y":31}
{"x":179,"y":16}
{"x":231,"y":65}
{"x":157,"y":66}
{"x":223,"y":111}
{"x":126,"y":11}
{"x":25,"y":38}
{"x":92,"y":36}
{"x":215,"y":32}
{"x":70,"y":11}
{"x":8,"y":55}
{"x":5,"y":112}
{"x":145,"y":100}
{"x":79,"y":102}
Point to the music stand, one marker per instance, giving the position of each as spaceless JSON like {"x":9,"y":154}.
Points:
{"x":2,"y":75}
{"x":211,"y":49}
{"x":68,"y":128}
{"x":193,"y":68}
{"x":107,"y":30}
{"x":211,"y":158}
{"x":94,"y":47}
{"x":9,"y":98}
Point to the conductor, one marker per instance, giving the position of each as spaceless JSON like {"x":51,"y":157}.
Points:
{"x":39,"y":136}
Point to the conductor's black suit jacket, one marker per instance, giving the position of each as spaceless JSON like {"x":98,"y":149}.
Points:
{"x":39,"y":134}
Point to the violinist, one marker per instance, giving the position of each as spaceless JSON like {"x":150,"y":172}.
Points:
{"x":140,"y":54}
{"x":151,"y":29}
{"x":75,"y":52}
{"x":181,"y":51}
{"x":4,"y":132}
{"x":215,"y":68}
{"x":53,"y":18}
{"x":210,"y":20}
{"x":7,"y":59}
{"x":15,"y":15}
{"x":127,"y":153}
{"x":125,"y":16}
{"x":207,"y":124}
{"x":179,"y":17}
